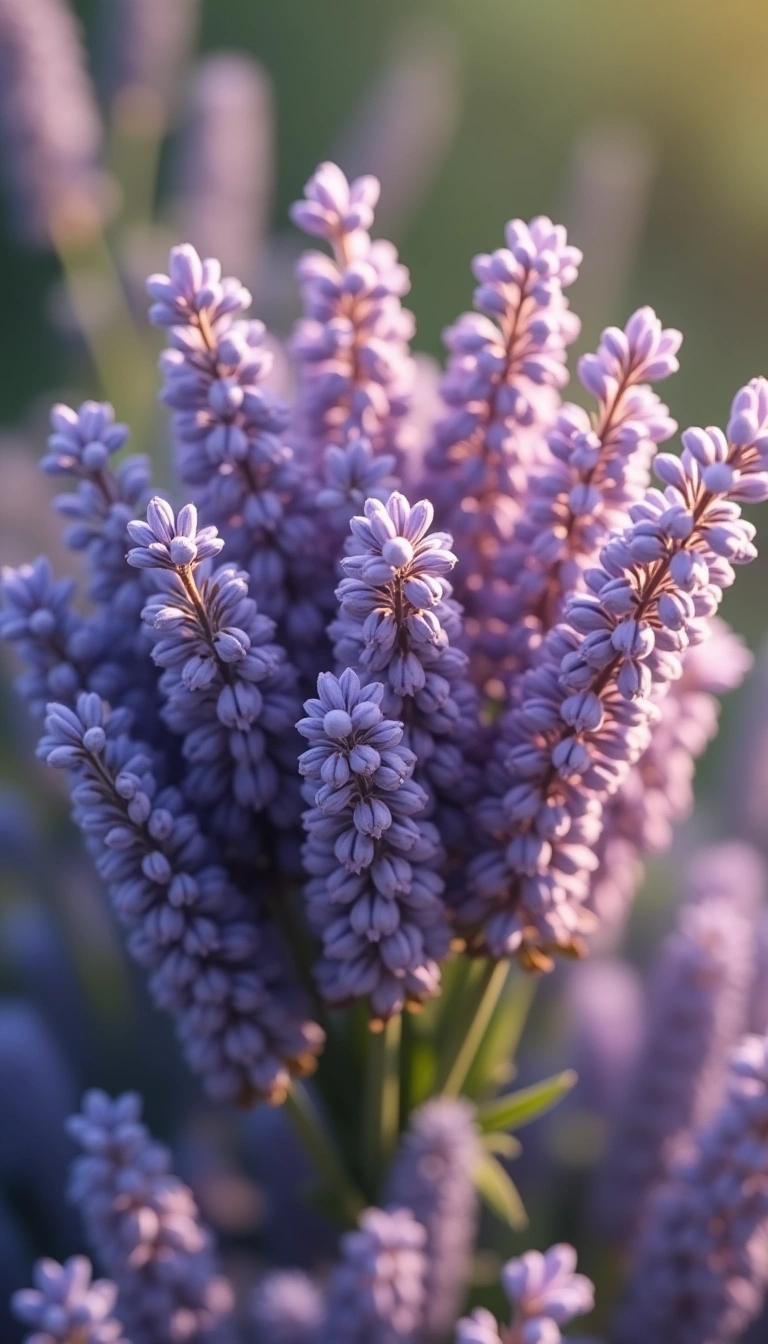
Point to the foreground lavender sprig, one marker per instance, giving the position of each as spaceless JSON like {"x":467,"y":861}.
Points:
{"x":601,"y":466}
{"x":697,"y":1012}
{"x":228,"y":426}
{"x":376,"y":1293}
{"x":374,"y":894}
{"x":397,"y":620}
{"x":433,"y":1175}
{"x":351,"y":345}
{"x":50,"y":128}
{"x":700,"y":1270}
{"x":213,"y":966}
{"x":228,"y":687}
{"x":144,"y":1226}
{"x":544,"y":1292}
{"x":506,"y":363}
{"x":586,"y":711}
{"x":67,"y":1307}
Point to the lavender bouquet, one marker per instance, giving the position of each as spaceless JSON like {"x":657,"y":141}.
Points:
{"x":369,"y":723}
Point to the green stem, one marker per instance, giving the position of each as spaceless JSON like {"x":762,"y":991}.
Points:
{"x":382,"y":1099}
{"x":118,"y":354}
{"x":320,"y":1147}
{"x":460,"y":1053}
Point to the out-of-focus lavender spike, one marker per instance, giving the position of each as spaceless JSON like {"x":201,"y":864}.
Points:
{"x":586,"y":712}
{"x":144,"y":1225}
{"x":227,"y":425}
{"x":698,"y":1006}
{"x":375,"y":893}
{"x":68,"y":1306}
{"x":376,"y":1293}
{"x":223,"y":177}
{"x":602,"y":465}
{"x":214,"y":963}
{"x":49,"y":124}
{"x":397,"y":621}
{"x":351,"y":345}
{"x":745,"y":798}
{"x":145,"y":45}
{"x":288,"y":1307}
{"x":700,"y":1270}
{"x":544,"y":1292}
{"x":37,"y":619}
{"x":506,"y":366}
{"x":229,"y":690}
{"x":608,"y":181}
{"x":403,"y":129}
{"x":433,"y":1175}
{"x":658,"y":792}
{"x":758,"y":999}
{"x":604,"y":1007}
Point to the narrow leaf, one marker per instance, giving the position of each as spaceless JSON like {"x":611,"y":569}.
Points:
{"x":519,"y":1108}
{"x":506,"y":1145}
{"x":500,"y":1193}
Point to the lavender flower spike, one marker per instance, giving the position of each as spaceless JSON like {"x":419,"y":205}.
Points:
{"x":144,"y":1225}
{"x":50,"y":127}
{"x":433,"y":1174}
{"x":351,"y":345}
{"x":602,"y":465}
{"x":67,"y":1307}
{"x":228,"y":687}
{"x":544,"y":1292}
{"x":376,"y":1294}
{"x":697,"y":1013}
{"x":586,"y":712}
{"x":214,"y":966}
{"x":227,"y":425}
{"x":506,"y":364}
{"x":397,"y":620}
{"x":374,"y":894}
{"x":700,"y":1270}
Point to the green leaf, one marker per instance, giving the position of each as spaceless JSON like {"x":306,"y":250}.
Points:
{"x":519,"y":1108}
{"x":500,"y":1193}
{"x":506,"y":1145}
{"x":494,"y":1065}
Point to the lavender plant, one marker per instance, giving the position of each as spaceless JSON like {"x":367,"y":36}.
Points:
{"x":501,"y":720}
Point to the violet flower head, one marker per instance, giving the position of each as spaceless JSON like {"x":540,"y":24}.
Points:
{"x":50,"y":128}
{"x":228,"y":427}
{"x":601,"y":466}
{"x":544,"y":1292}
{"x":376,"y":1293}
{"x":397,"y":621}
{"x":38,"y":620}
{"x":287,"y":1307}
{"x":700,"y":1269}
{"x":228,"y":688}
{"x":351,"y":475}
{"x":374,"y":893}
{"x":586,"y":711}
{"x":351,"y":345}
{"x":697,"y":1012}
{"x":433,"y":1175}
{"x":68,"y":1306}
{"x":214,"y":966}
{"x":506,"y":364}
{"x":144,"y":1225}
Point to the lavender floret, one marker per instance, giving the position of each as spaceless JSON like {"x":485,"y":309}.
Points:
{"x":288,"y":1307}
{"x":376,"y":1293}
{"x":67,"y":1306}
{"x":544,"y":1292}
